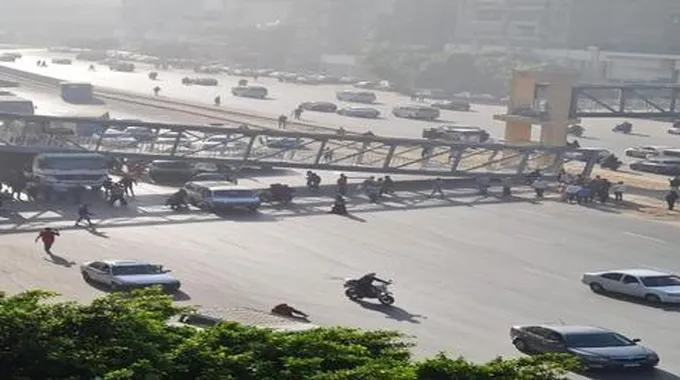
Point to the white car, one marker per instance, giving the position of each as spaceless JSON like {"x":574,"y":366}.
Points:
{"x":128,"y":275}
{"x":673,"y":131}
{"x":364,"y":112}
{"x":650,"y":285}
{"x":366,"y":97}
{"x":644,"y":151}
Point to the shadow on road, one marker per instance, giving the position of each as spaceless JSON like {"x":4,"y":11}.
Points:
{"x":658,"y":374}
{"x":392,"y":312}
{"x":624,"y":298}
{"x":59,"y":260}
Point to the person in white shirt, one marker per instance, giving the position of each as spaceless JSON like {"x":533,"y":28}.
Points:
{"x":618,"y":189}
{"x":572,"y":192}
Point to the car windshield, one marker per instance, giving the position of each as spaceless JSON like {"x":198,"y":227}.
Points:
{"x":597,"y":339}
{"x":135,"y":270}
{"x":72,"y":163}
{"x":233,"y":193}
{"x":660,"y":281}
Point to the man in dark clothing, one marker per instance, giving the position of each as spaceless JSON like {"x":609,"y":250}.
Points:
{"x":365,"y":285}
{"x":84,"y":214}
{"x":117,"y":194}
{"x":128,"y":182}
{"x":47,"y":236}
{"x":342,"y":184}
{"x":288,"y":311}
{"x":107,"y":185}
{"x":671,"y":198}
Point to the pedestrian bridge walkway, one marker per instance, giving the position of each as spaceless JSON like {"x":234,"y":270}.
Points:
{"x":273,"y":148}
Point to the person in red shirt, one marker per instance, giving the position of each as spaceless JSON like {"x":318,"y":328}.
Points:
{"x":47,"y":236}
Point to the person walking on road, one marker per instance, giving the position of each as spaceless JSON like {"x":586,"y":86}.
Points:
{"x":84,"y":214}
{"x":618,"y":190}
{"x":671,"y":198}
{"x":47,"y":235}
{"x":437,"y":187}
{"x":128,"y":183}
{"x":283,"y":119}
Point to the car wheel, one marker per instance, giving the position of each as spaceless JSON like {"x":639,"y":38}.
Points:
{"x":114,"y":287}
{"x":596,"y":288}
{"x":521,"y":345}
{"x":86,"y":277}
{"x":653,"y":299}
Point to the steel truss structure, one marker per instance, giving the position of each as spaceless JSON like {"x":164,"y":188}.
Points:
{"x":275,"y":148}
{"x":625,"y":100}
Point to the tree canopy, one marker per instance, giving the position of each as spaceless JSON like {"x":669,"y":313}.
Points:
{"x":126,"y":336}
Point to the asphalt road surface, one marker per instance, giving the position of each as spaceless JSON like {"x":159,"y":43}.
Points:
{"x":476,"y":267}
{"x":462,"y":278}
{"x":286,"y":96}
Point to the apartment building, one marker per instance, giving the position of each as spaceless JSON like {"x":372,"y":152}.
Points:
{"x":530,"y":23}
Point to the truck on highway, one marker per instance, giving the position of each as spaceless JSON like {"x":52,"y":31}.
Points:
{"x":70,"y":169}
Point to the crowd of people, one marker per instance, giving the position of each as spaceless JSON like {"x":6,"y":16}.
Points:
{"x":582,"y":190}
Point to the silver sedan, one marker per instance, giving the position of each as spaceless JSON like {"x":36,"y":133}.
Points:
{"x":128,"y":275}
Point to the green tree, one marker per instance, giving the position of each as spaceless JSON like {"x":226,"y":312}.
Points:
{"x":127,"y":337}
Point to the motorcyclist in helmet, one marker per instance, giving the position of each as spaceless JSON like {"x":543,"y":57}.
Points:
{"x":365,"y":286}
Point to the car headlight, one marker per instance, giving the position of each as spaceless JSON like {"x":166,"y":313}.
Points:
{"x":652,"y":356}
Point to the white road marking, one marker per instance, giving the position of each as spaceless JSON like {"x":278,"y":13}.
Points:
{"x":645,"y":237}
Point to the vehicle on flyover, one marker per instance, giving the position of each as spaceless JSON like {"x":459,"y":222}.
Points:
{"x":417,"y":112}
{"x":453,"y":105}
{"x":211,"y":82}
{"x":250,"y":91}
{"x":650,"y":285}
{"x":319,"y":106}
{"x":221,"y":195}
{"x":363,"y":112}
{"x":598,"y":348}
{"x":366,"y":97}
{"x":128,"y":275}
{"x":644,"y":151}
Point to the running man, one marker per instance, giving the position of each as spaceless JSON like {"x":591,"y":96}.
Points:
{"x":47,"y":236}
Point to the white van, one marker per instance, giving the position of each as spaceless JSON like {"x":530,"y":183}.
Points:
{"x":367,"y":97}
{"x":220,"y":195}
{"x":70,"y":169}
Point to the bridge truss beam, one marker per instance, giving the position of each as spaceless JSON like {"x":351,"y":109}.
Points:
{"x":240,"y":146}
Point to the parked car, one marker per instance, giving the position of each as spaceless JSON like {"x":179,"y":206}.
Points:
{"x":598,"y":348}
{"x":363,"y":112}
{"x":319,"y":106}
{"x":673,"y":131}
{"x":417,"y":112}
{"x":203,"y":81}
{"x":644,"y":151}
{"x":128,"y":275}
{"x":653,"y":286}
{"x":366,"y":97}
{"x":453,"y":105}
{"x":62,"y":61}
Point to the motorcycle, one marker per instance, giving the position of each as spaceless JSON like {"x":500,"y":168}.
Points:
{"x":381,"y":292}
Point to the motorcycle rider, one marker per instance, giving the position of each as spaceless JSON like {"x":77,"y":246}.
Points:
{"x":178,"y":200}
{"x":313,"y":180}
{"x":365,"y":286}
{"x":339,"y":206}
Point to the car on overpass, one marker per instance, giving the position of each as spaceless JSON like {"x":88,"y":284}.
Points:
{"x":250,"y":91}
{"x":319,"y":106}
{"x":366,"y":97}
{"x":128,"y":275}
{"x":653,"y":286}
{"x":457,"y":133}
{"x":201,"y":81}
{"x":598,"y":348}
{"x":417,"y":112}
{"x":363,"y":112}
{"x":643,"y":151}
{"x":453,"y":105}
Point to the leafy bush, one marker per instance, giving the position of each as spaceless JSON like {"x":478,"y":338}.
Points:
{"x":126,"y":337}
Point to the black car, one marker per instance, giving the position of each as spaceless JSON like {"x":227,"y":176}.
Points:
{"x":598,"y":348}
{"x":319,"y":106}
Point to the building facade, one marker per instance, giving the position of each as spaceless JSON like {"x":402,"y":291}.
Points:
{"x":524,"y":23}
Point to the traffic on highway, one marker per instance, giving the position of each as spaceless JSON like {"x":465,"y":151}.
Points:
{"x":474,"y":271}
